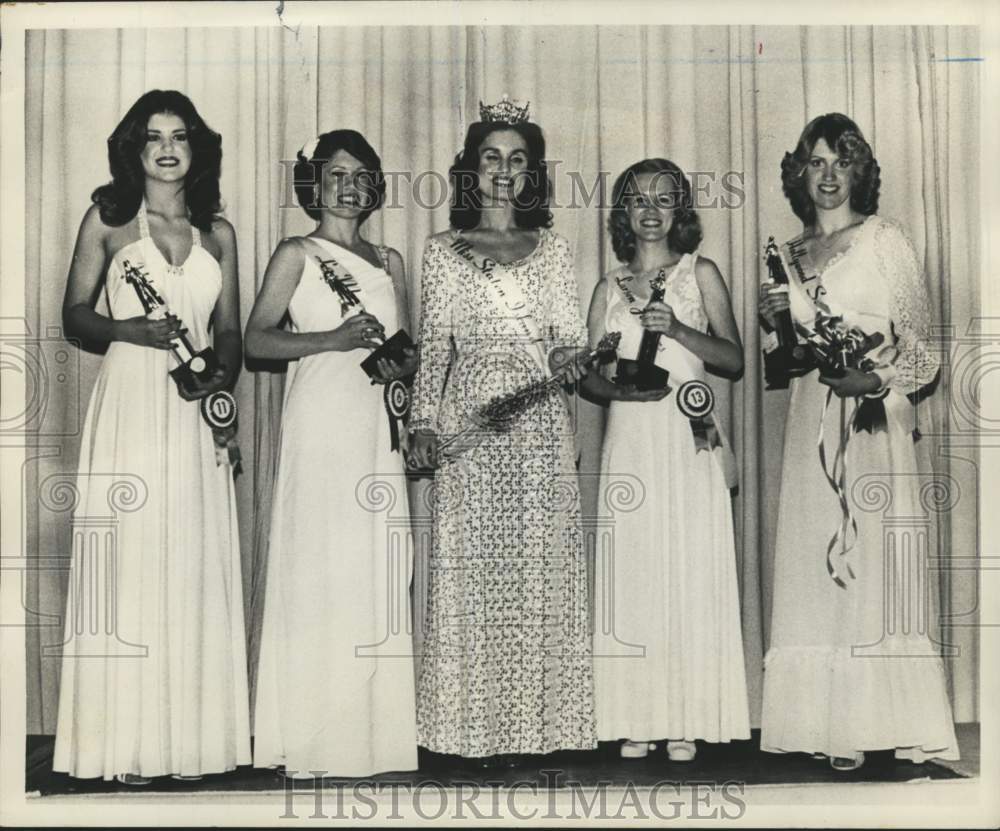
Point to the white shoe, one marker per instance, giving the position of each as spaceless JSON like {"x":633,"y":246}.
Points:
{"x":846,"y":764}
{"x":636,"y":750}
{"x":181,"y":777}
{"x":132,"y":779}
{"x":681,"y":751}
{"x":915,"y":755}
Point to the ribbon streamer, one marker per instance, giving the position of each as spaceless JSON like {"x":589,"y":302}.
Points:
{"x":706,"y":435}
{"x":871,"y":417}
{"x":837,"y":477}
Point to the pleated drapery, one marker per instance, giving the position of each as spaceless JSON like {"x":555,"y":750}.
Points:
{"x":725,"y":103}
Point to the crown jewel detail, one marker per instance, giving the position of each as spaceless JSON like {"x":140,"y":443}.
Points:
{"x":504,"y":110}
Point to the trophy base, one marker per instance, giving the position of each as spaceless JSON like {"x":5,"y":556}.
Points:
{"x":392,"y":349}
{"x":644,"y":377}
{"x":783,"y":364}
{"x":199,"y":368}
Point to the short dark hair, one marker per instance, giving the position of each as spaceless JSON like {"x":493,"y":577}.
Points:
{"x":531,"y":205}
{"x":684,"y":235}
{"x":119,"y":200}
{"x":844,"y":137}
{"x":308,"y":171}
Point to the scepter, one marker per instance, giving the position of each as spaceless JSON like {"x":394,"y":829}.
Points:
{"x":499,"y":415}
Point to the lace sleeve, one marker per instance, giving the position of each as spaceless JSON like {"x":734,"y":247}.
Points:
{"x":434,"y":339}
{"x":914,"y":365}
{"x":565,"y":322}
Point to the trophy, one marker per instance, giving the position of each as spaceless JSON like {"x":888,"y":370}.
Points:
{"x":790,"y":357}
{"x":393,"y":348}
{"x":396,"y":395}
{"x":193,"y":367}
{"x":643,"y":373}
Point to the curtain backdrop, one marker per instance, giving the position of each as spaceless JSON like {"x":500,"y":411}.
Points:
{"x":714,"y":99}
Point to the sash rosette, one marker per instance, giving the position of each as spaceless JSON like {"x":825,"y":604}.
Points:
{"x":219,"y":412}
{"x":396,"y":398}
{"x":696,"y":401}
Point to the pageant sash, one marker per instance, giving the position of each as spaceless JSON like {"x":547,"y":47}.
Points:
{"x":803,"y":277}
{"x":337,"y":277}
{"x":696,"y":402}
{"x":396,"y":397}
{"x":507,"y":296}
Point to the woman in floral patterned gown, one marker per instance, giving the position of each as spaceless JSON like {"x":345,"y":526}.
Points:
{"x":506,"y":664}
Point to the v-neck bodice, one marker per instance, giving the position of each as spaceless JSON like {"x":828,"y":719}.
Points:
{"x":190,"y":290}
{"x":143,"y":219}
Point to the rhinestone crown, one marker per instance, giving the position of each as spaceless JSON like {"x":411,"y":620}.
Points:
{"x":504,"y":110}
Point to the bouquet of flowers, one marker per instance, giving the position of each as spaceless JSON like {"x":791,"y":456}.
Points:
{"x":836,"y":346}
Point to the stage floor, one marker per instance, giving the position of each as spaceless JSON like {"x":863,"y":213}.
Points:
{"x":736,"y":762}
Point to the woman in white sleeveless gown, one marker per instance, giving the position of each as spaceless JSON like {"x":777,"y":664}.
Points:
{"x":851,"y":665}
{"x":335,"y":681}
{"x":161,"y":687}
{"x":668,"y":649}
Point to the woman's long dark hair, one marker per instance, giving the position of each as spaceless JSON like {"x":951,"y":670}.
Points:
{"x":844,"y":138}
{"x":684,"y":235}
{"x":119,"y":200}
{"x":531,"y":205}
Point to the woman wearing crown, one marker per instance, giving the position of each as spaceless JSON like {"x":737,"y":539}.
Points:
{"x":155,"y":683}
{"x":668,"y":647}
{"x":851,"y":665}
{"x":506,"y":666}
{"x":335,"y":691}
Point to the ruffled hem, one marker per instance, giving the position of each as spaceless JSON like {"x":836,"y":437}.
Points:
{"x":841,"y":700}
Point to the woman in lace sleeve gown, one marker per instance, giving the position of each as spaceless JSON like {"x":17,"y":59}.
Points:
{"x":506,"y":666}
{"x":163,"y":690}
{"x":852,"y":665}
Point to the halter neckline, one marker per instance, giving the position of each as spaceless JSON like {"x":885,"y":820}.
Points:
{"x":143,"y":217}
